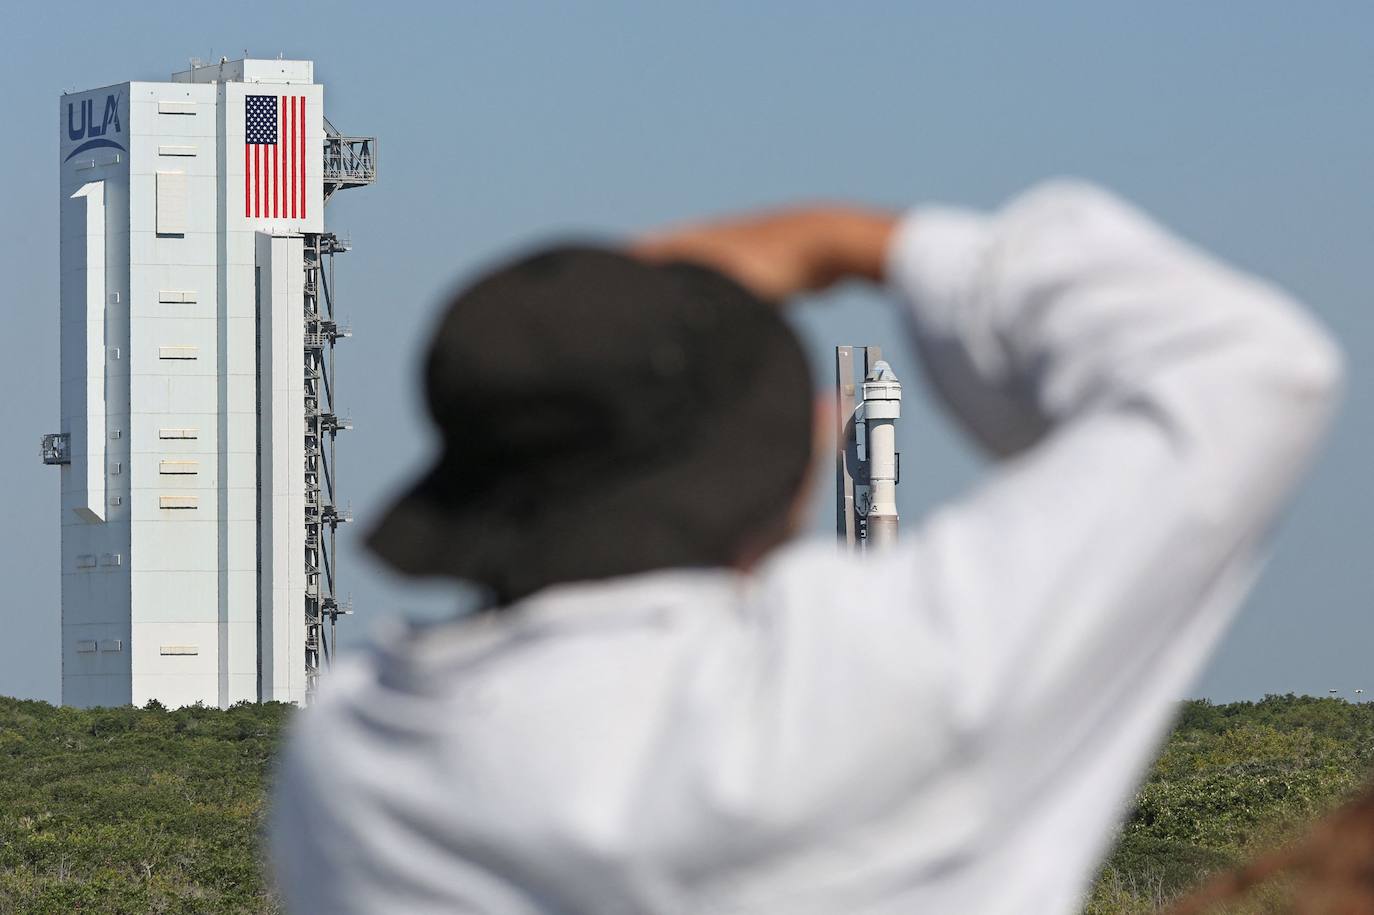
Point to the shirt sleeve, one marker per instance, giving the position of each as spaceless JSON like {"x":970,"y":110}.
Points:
{"x":1154,"y":409}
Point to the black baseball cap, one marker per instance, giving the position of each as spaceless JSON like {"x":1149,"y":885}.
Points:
{"x":602,"y":416}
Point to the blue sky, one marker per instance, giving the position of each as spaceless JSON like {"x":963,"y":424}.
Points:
{"x":1245,"y":127}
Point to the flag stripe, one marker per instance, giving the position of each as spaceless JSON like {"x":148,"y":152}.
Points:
{"x":292,"y":155}
{"x":302,"y":139}
{"x":280,"y":153}
{"x":282,"y":126}
{"x":247,"y":188}
{"x":276,"y":166}
{"x":289,"y":152}
{"x":295,"y":130}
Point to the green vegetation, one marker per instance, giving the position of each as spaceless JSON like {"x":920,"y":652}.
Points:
{"x":145,"y":810}
{"x":1234,"y":780}
{"x":128,"y":810}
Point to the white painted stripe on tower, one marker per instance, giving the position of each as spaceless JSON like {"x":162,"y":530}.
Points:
{"x":89,"y":460}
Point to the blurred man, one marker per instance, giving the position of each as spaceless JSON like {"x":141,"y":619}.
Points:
{"x":669,"y":708}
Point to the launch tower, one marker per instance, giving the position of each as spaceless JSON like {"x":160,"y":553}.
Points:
{"x":197,"y":435}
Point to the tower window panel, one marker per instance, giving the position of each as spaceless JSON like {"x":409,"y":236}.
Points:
{"x":171,"y":203}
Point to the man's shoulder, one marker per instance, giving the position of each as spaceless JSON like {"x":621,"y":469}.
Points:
{"x":567,"y":651}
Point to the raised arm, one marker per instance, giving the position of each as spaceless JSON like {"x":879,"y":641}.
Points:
{"x":1172,"y":402}
{"x":783,"y":253}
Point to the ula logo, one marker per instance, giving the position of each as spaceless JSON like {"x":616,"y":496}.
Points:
{"x":81,"y":123}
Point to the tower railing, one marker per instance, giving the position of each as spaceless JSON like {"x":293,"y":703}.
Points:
{"x":348,"y":161}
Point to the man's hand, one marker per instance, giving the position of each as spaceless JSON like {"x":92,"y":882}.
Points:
{"x":782,"y":253}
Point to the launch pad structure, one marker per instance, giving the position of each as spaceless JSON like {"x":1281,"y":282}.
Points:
{"x":200,"y":503}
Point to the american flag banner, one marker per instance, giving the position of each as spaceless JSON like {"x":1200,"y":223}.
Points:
{"x":274,"y":157}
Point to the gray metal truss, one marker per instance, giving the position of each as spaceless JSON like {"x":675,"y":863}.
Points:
{"x":348,"y":162}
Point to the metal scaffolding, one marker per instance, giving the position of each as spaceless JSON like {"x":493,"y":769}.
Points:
{"x":348,"y":162}
{"x":323,"y":514}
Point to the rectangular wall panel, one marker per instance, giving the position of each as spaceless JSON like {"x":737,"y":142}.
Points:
{"x":171,"y":203}
{"x":94,"y":139}
{"x":280,"y":291}
{"x":172,"y":353}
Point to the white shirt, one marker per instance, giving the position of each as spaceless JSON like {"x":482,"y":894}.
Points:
{"x":954,"y":727}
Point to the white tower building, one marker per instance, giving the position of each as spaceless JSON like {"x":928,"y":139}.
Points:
{"x":197,"y":430}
